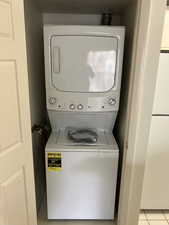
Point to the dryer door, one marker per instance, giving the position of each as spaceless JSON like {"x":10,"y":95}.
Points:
{"x":83,"y":63}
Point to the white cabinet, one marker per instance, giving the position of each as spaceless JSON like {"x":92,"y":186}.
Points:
{"x":156,"y":185}
{"x":161,"y":99}
{"x":155,"y":193}
{"x":156,"y":181}
{"x":165,"y":38}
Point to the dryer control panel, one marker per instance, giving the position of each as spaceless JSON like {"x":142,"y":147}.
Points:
{"x":109,"y":103}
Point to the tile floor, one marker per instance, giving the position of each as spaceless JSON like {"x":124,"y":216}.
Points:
{"x":147,"y":217}
{"x":154,"y":217}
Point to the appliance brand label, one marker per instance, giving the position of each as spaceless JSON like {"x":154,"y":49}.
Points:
{"x":54,"y":161}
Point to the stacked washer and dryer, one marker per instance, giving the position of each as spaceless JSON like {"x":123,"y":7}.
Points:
{"x":83,"y":67}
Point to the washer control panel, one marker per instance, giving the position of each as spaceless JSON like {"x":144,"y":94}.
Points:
{"x":72,"y":106}
{"x":112,"y":101}
{"x":91,"y":104}
{"x":52,"y":100}
{"x":80,"y":107}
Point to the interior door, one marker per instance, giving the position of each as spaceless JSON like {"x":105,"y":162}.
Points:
{"x":17,"y":197}
{"x":156,"y":183}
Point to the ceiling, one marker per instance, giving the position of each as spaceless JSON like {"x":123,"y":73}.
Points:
{"x":83,"y":6}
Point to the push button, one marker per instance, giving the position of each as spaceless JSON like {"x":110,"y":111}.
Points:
{"x":80,"y":107}
{"x":112,"y":101}
{"x":72,"y":106}
{"x":52,"y":100}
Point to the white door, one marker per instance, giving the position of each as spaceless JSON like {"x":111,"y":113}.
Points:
{"x":17,"y":198}
{"x":165,"y":39}
{"x":161,"y":101}
{"x":156,"y":183}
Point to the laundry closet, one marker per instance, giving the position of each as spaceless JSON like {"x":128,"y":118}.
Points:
{"x":124,"y":113}
{"x":77,"y":100}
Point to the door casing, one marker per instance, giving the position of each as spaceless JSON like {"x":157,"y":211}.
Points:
{"x":146,"y":50}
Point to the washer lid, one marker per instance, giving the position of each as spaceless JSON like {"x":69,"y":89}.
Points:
{"x":83,"y":63}
{"x":103,"y":138}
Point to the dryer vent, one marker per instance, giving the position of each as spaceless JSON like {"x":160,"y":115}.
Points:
{"x":106,"y":19}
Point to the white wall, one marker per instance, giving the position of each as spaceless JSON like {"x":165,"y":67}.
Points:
{"x":77,"y":19}
{"x":128,"y":20}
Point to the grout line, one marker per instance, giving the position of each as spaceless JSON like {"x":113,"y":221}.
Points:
{"x":148,"y":222}
{"x":143,"y":212}
{"x":146,"y":219}
{"x":146,"y":216}
{"x":165,"y":216}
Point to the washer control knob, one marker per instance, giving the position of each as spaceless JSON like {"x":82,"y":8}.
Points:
{"x":71,"y":106}
{"x":112,"y":101}
{"x":80,"y":106}
{"x":52,"y":100}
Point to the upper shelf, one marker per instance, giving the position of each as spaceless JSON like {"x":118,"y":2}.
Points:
{"x":83,"y":6}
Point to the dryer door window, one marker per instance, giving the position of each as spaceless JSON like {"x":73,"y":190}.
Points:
{"x":83,"y":63}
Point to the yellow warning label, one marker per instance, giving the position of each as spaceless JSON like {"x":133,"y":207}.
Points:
{"x":54,"y":161}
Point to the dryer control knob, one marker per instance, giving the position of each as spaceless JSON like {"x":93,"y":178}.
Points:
{"x":80,"y":106}
{"x":71,"y":106}
{"x":112,"y":101}
{"x":52,"y":100}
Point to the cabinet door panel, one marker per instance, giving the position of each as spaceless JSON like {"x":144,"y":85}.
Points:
{"x":156,"y":181}
{"x":161,"y":100}
{"x":165,"y":37}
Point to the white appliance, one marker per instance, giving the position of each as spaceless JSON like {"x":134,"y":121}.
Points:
{"x":83,"y":66}
{"x":85,"y":186}
{"x":155,"y":193}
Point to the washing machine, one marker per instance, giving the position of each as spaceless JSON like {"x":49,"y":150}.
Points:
{"x":83,"y":67}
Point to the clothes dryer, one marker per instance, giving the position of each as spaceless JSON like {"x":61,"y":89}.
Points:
{"x":83,"y":67}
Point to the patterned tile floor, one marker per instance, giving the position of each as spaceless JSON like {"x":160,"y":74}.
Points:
{"x":154,"y":217}
{"x":147,"y":217}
